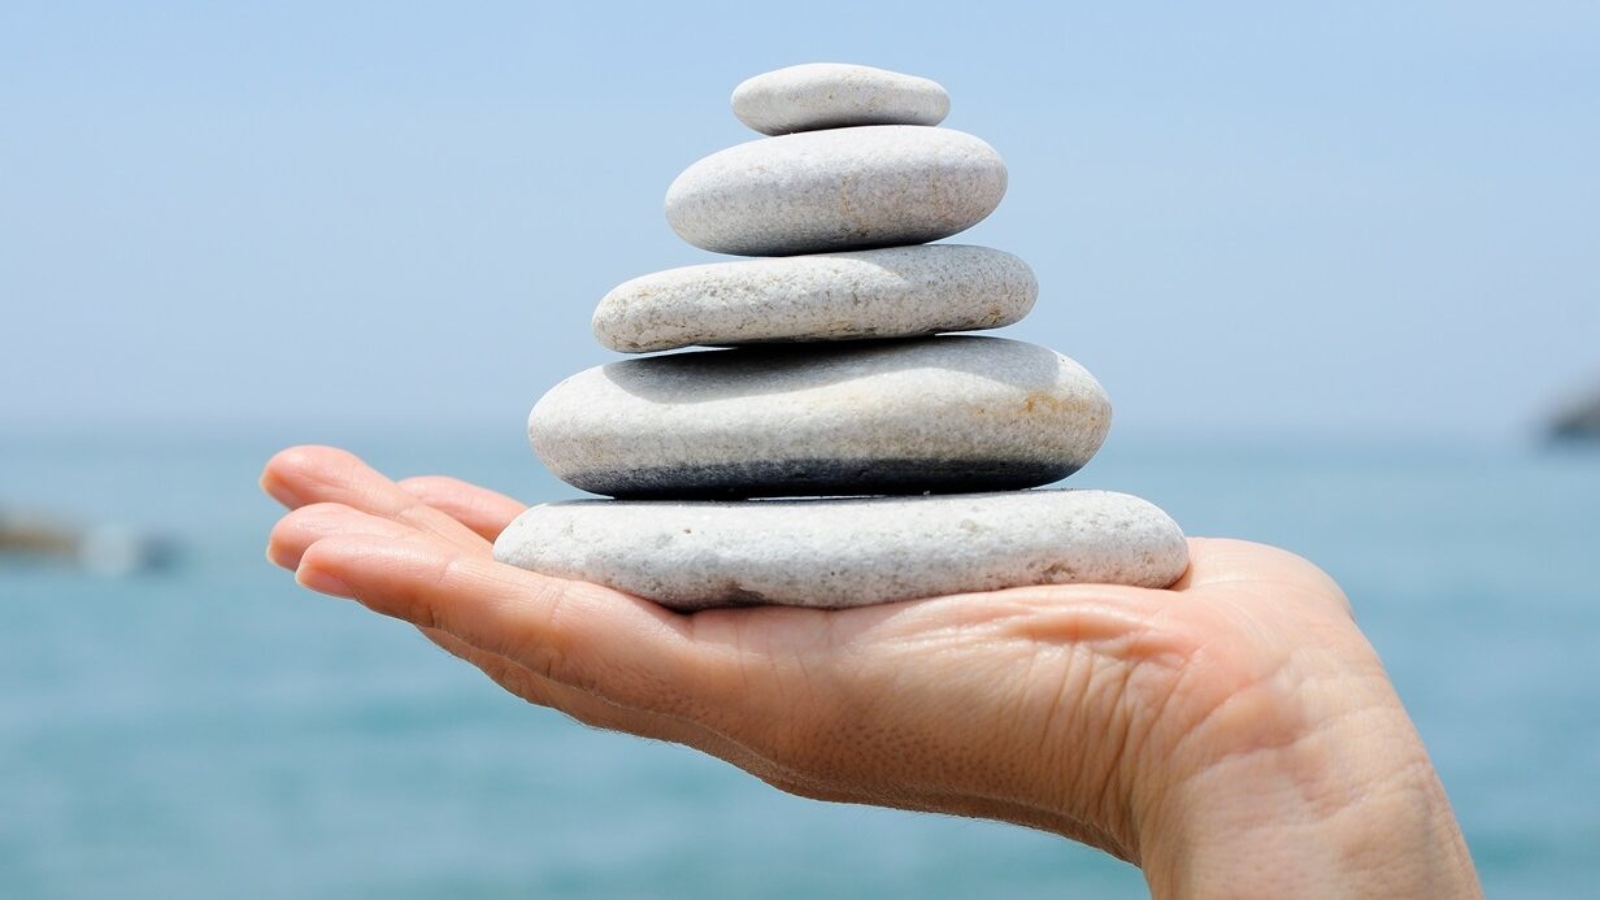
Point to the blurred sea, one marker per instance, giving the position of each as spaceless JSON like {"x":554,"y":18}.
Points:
{"x":213,"y":731}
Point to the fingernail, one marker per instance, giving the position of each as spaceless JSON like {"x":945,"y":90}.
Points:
{"x":277,"y":490}
{"x":323,"y":583}
{"x":279,"y":559}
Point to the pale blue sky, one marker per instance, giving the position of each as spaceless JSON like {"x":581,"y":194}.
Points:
{"x":1342,"y":219}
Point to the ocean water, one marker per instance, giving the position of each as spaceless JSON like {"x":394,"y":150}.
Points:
{"x":213,"y":731}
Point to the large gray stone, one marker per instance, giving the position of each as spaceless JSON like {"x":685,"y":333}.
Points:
{"x":894,"y":292}
{"x":834,"y":95}
{"x":845,"y":189}
{"x":932,"y":414}
{"x":839,"y":553}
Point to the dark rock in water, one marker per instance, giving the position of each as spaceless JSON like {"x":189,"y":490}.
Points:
{"x":103,"y":550}
{"x":1580,"y":422}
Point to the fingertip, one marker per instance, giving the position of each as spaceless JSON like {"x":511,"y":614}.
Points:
{"x":323,"y":582}
{"x":332,"y":563}
{"x":277,"y":556}
{"x":324,"y":562}
{"x":272,"y":484}
{"x":302,"y":529}
{"x":285,"y":544}
{"x":286,"y":467}
{"x":287,"y":459}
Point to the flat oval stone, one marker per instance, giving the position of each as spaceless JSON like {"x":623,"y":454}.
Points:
{"x":840,"y":553}
{"x":894,"y":292}
{"x":836,"y":95}
{"x":932,"y":414}
{"x":845,"y":189}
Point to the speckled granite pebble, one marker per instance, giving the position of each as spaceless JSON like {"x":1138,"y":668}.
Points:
{"x":844,"y":189}
{"x":834,"y":95}
{"x":896,"y":417}
{"x":839,"y":553}
{"x":894,"y":292}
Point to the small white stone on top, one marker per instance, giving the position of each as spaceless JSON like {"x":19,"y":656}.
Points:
{"x":834,"y":95}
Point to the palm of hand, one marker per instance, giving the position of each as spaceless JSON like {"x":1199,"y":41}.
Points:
{"x":1098,"y":712}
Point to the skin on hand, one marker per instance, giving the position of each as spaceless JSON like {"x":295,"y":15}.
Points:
{"x":1234,"y":735}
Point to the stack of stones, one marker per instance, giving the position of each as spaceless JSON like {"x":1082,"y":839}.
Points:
{"x":916,"y":452}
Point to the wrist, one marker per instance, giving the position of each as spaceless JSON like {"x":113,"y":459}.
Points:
{"x":1350,"y":807}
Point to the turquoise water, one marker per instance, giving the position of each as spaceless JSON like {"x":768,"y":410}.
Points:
{"x":213,"y":731}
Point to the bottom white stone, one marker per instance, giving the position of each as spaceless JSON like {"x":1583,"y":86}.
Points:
{"x":835,"y":553}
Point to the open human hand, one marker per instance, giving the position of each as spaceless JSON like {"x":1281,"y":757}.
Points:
{"x":1233,"y":735}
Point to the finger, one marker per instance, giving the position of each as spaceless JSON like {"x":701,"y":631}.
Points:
{"x":302,"y":527}
{"x":625,"y":649}
{"x":595,"y":711}
{"x":301,"y":476}
{"x":307,"y":525}
{"x":480,"y":509}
